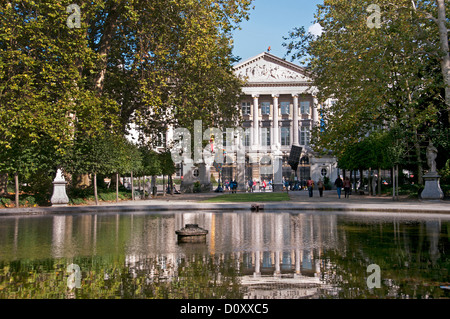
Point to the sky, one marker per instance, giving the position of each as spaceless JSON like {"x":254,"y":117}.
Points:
{"x":269,"y":22}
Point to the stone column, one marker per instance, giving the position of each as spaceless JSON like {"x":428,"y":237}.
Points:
{"x":315,"y":116}
{"x":277,"y":171}
{"x":240,"y":176}
{"x":275,"y":125}
{"x":205,"y":176}
{"x":295,"y":120}
{"x":255,"y":137}
{"x":188,"y":178}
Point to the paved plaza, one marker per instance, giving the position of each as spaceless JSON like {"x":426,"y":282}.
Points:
{"x":299,"y":201}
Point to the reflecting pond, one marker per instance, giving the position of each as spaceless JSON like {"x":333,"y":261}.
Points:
{"x":246,"y":255}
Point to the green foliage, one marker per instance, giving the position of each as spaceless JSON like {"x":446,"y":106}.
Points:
{"x":197,"y":187}
{"x":68,"y":95}
{"x":445,"y":173}
{"x":387,"y":77}
{"x":167,"y":164}
{"x":379,"y":150}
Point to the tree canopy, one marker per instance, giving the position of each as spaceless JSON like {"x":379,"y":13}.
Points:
{"x":66,"y":88}
{"x":382,"y":77}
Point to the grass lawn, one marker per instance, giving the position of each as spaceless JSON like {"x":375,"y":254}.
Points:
{"x":248,"y":197}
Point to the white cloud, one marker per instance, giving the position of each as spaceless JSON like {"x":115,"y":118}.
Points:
{"x":316,"y":29}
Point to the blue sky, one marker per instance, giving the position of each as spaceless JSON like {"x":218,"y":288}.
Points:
{"x":269,"y":22}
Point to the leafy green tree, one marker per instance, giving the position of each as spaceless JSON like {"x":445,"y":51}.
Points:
{"x":168,"y":62}
{"x":383,"y":77}
{"x":44,"y":67}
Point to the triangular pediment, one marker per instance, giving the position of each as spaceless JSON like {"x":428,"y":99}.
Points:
{"x":267,"y":68}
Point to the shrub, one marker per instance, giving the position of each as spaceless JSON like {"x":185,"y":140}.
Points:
{"x":6,"y":202}
{"x":197,"y":187}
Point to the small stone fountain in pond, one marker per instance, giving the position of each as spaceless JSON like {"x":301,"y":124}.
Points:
{"x":191,"y":233}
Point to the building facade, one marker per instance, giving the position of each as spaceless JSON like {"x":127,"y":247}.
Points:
{"x":280,"y":109}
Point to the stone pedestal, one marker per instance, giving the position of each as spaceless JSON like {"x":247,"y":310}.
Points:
{"x":59,"y":197}
{"x":278,"y":172}
{"x":432,"y":190}
{"x":240,"y":177}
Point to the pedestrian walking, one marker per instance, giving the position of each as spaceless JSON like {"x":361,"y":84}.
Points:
{"x":321,"y":187}
{"x":264,"y":185}
{"x":310,"y":185}
{"x":233,"y":185}
{"x":250,"y":185}
{"x":347,"y":187}
{"x":339,"y":183}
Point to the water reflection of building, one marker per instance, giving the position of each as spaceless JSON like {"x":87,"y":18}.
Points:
{"x":279,"y":251}
{"x":278,"y":254}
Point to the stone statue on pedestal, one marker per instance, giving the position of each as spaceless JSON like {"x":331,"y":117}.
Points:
{"x":431,"y":156}
{"x":432,"y":190}
{"x":59,"y":197}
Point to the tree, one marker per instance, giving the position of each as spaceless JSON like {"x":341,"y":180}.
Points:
{"x":43,"y":94}
{"x":166,"y":62}
{"x":381,"y":77}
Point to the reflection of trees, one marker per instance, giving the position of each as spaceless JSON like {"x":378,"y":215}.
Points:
{"x":410,"y":262}
{"x":197,"y":276}
{"x":136,"y":256}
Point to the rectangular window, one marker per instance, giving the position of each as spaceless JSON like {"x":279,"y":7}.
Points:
{"x":285,"y":136}
{"x":305,"y":136}
{"x":246,"y":107}
{"x":304,"y":107}
{"x":265,"y":136}
{"x":247,"y":137}
{"x":265,"y":108}
{"x":285,"y":107}
{"x":161,"y":140}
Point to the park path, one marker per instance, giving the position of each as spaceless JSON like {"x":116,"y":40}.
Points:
{"x":299,"y":201}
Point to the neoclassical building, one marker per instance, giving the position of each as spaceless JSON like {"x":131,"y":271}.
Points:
{"x":279,"y":108}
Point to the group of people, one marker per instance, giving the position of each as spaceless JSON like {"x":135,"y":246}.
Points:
{"x":251,"y":185}
{"x":339,"y":183}
{"x":346,"y":184}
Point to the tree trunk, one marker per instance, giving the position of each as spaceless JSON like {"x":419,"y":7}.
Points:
{"x":419,"y":161}
{"x":117,"y":187}
{"x":164,"y":185}
{"x":416,"y":140}
{"x":108,"y":33}
{"x":95,"y":189}
{"x":379,"y":182}
{"x":369,"y":180}
{"x":132,"y":187}
{"x":153,"y":186}
{"x":443,"y":35}
{"x":361,"y":179}
{"x":139,"y":184}
{"x":16,"y":181}
{"x":396,"y":182}
{"x":143,"y":188}
{"x":3,"y":184}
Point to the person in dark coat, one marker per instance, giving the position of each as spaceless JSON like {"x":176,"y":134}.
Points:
{"x":339,"y":183}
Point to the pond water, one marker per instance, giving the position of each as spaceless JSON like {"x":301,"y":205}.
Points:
{"x":246,"y":255}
